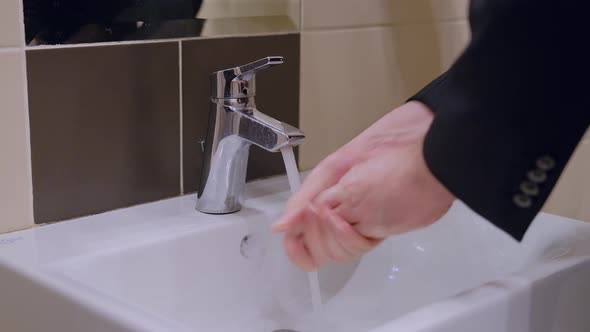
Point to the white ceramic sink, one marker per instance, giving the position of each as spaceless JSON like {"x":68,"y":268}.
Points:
{"x":165,"y":267}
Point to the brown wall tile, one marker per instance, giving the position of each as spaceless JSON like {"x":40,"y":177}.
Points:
{"x":277,"y":93}
{"x":104,"y":127}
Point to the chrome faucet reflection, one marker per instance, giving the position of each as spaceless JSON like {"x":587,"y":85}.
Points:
{"x":234,"y":125}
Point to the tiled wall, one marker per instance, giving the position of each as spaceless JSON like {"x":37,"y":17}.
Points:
{"x":361,"y":60}
{"x":571,"y":197}
{"x":15,"y":183}
{"x":358,"y":62}
{"x":117,"y":125}
{"x":104,"y":127}
{"x":277,"y":95}
{"x":113,"y":125}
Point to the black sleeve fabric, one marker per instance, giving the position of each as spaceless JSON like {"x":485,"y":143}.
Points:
{"x":511,"y":110}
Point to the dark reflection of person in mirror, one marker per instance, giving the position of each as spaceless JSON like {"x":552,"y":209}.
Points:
{"x":74,"y":21}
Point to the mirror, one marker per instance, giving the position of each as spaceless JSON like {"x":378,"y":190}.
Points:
{"x":50,"y":22}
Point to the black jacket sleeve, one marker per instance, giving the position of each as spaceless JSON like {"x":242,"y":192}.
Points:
{"x":511,"y":110}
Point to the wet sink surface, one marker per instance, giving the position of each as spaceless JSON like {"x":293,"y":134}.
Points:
{"x":231,"y":275}
{"x":194,"y":272}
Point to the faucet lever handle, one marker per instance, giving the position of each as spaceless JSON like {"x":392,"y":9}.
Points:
{"x":240,"y":82}
{"x":247,"y":72}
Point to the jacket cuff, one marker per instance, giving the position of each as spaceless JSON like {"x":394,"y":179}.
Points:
{"x":475,"y":159}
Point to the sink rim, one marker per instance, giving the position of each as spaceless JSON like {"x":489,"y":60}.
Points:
{"x":19,"y":250}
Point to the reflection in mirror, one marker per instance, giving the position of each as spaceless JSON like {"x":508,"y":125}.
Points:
{"x":89,"y":21}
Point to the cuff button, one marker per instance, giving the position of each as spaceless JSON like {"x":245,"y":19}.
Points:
{"x":537,"y":176}
{"x":529,"y":188}
{"x":522,"y":201}
{"x":546,"y":163}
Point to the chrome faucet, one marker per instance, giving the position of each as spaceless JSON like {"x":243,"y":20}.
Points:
{"x":234,"y":125}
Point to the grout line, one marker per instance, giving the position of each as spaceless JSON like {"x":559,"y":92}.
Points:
{"x":301,"y":4}
{"x":25,"y":87}
{"x":347,"y":28}
{"x":157,"y":41}
{"x":181,"y":113}
{"x":301,"y":119}
{"x":98,"y":44}
{"x":381,"y":25}
{"x":443,"y":20}
{"x":5,"y":50}
{"x":21,"y":30}
{"x":29,"y":160}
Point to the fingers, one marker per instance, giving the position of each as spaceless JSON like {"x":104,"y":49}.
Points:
{"x":349,"y":238}
{"x":322,"y":240}
{"x":305,"y":239}
{"x":358,"y":200}
{"x":331,"y":197}
{"x":323,"y":237}
{"x":292,"y":221}
{"x":324,"y":176}
{"x":349,"y":195}
{"x":297,"y":252}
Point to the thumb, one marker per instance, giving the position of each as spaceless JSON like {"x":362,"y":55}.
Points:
{"x":324,"y":176}
{"x":332,"y":197}
{"x":352,"y":198}
{"x":293,"y":221}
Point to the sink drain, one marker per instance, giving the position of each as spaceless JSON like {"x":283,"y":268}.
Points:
{"x":253,"y":247}
{"x":245,"y":246}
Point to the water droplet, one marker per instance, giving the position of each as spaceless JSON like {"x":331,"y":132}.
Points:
{"x":419,"y":247}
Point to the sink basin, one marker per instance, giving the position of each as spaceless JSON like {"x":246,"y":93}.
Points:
{"x":165,"y":267}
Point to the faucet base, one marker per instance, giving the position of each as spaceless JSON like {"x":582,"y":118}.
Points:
{"x":217,"y":212}
{"x":212,"y":206}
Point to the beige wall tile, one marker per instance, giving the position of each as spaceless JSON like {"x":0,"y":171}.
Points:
{"x":449,"y":9}
{"x":10,"y":23}
{"x":241,"y":8}
{"x":426,"y":50}
{"x":15,"y":183}
{"x":584,"y":211}
{"x":453,"y":37}
{"x":419,"y":56}
{"x":352,"y":77}
{"x":571,"y":196}
{"x":295,"y":12}
{"x":241,"y":26}
{"x":319,"y":14}
{"x":427,"y":11}
{"x":412,"y":11}
{"x":349,"y":80}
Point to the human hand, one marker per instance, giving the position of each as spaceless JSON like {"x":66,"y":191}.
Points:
{"x":375,"y":186}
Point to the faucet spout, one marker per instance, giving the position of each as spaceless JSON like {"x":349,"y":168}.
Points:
{"x":232,"y":130}
{"x":234,"y":125}
{"x":266,"y":132}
